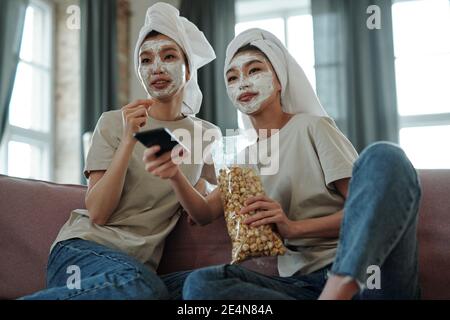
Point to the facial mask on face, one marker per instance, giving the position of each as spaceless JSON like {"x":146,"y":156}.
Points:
{"x":174,"y":71}
{"x":260,"y":83}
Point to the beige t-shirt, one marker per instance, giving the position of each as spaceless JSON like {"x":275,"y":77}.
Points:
{"x":313,"y":153}
{"x":148,"y":209}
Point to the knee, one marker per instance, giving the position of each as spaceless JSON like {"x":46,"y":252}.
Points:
{"x":384,"y":152}
{"x":386,"y":156}
{"x":197,"y":285}
{"x":390,"y":163}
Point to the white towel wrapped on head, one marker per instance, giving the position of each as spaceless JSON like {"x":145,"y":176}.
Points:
{"x":297,"y":94}
{"x":165,"y":19}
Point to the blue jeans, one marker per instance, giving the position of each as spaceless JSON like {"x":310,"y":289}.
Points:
{"x":104,"y":274}
{"x":378,"y":229}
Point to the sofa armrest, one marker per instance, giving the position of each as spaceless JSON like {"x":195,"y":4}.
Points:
{"x":32,"y":212}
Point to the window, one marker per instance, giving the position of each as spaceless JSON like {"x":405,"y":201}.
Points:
{"x":284,"y":21}
{"x":422,"y":63}
{"x":26,"y":150}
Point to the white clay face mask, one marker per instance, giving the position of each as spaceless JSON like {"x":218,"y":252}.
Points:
{"x":161,"y":79}
{"x":258,"y":86}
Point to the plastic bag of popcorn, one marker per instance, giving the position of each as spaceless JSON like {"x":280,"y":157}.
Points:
{"x":237,"y":183}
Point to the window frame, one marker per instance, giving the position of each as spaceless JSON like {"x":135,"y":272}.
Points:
{"x":426,"y":119}
{"x":45,"y":141}
{"x":276,"y":14}
{"x":420,"y":120}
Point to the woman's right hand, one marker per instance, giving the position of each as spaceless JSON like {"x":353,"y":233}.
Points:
{"x":134,"y":117}
{"x":164,"y":166}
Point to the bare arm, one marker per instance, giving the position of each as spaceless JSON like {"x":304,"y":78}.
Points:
{"x":202,"y":210}
{"x":323,"y":227}
{"x":106,"y":186}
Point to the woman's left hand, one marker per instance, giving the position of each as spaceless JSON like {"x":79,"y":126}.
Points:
{"x":267,"y":211}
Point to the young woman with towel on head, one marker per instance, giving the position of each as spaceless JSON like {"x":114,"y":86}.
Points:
{"x":117,"y":243}
{"x":337,"y":232}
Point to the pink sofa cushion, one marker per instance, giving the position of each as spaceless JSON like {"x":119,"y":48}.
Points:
{"x":32,"y":212}
{"x":434,"y":234}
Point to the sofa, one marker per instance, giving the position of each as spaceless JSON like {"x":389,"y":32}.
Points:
{"x":32,"y":212}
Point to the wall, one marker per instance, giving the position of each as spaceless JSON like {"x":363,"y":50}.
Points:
{"x":123,"y":43}
{"x":67,"y":97}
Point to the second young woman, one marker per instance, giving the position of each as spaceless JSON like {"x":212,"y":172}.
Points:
{"x":336,"y":231}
